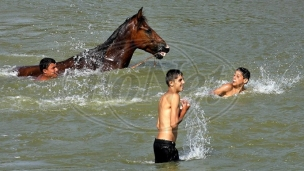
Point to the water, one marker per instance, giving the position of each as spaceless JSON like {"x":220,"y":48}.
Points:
{"x":85,"y":120}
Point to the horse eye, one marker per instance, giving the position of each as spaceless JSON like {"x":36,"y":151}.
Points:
{"x":149,"y":31}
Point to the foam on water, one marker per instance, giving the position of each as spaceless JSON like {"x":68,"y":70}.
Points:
{"x":203,"y":91}
{"x":6,"y":71}
{"x":268,"y":83}
{"x":24,"y":55}
{"x":83,"y":88}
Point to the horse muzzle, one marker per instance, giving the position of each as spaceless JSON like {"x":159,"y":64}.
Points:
{"x":162,"y":52}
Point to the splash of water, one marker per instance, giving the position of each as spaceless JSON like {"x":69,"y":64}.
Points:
{"x":196,"y":138}
{"x":269,"y":83}
{"x":7,"y":71}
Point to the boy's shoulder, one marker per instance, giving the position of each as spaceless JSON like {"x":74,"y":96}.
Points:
{"x":169,"y":96}
{"x":227,"y":86}
{"x":223,"y":89}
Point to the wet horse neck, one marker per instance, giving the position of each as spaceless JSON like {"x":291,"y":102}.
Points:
{"x":118,"y":55}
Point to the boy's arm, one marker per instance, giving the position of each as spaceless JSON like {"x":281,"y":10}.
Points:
{"x":223,"y":89}
{"x":177,"y":114}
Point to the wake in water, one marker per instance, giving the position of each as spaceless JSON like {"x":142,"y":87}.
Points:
{"x":268,"y":83}
{"x":6,"y":71}
{"x":196,"y":139}
{"x":277,"y":74}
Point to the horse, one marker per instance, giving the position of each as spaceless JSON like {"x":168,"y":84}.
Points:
{"x":116,"y":52}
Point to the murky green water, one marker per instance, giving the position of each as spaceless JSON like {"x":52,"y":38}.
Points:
{"x":85,"y":120}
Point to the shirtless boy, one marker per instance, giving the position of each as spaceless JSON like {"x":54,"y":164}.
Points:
{"x":48,"y":69}
{"x":240,"y":78}
{"x":171,"y":111}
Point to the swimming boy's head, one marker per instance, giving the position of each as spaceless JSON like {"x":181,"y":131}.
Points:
{"x":245,"y":72}
{"x":172,"y":74}
{"x":48,"y":68}
{"x":45,"y":62}
{"x":241,"y":76}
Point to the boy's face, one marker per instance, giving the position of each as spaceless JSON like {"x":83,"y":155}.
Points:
{"x":51,"y":71}
{"x":178,"y":83}
{"x":238,"y":79}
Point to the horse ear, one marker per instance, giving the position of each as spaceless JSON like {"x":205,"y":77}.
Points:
{"x":139,"y":14}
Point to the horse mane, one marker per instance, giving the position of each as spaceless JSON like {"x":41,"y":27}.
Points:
{"x":119,"y":30}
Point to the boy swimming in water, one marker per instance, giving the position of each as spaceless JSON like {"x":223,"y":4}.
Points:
{"x":240,"y":78}
{"x":48,"y":69}
{"x":170,"y":115}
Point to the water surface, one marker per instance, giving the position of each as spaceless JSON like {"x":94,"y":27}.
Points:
{"x":86,"y":120}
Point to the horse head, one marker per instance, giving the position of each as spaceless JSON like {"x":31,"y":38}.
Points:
{"x":145,"y":38}
{"x":133,"y":34}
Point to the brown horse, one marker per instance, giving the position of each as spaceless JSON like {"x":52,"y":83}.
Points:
{"x":116,"y":52}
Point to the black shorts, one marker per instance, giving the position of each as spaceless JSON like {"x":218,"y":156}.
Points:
{"x":165,"y":151}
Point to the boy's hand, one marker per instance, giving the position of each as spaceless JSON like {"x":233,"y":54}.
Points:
{"x":185,"y":105}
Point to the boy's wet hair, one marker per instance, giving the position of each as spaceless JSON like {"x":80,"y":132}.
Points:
{"x":245,"y":72}
{"x":172,"y":74}
{"x":45,"y":62}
